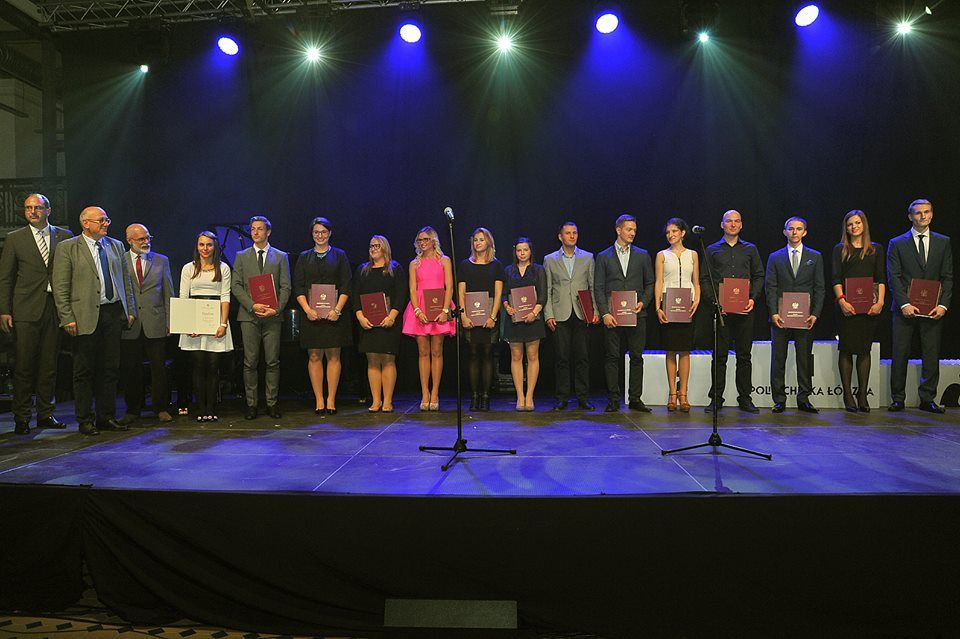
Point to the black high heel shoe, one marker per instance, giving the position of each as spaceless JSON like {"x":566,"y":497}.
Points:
{"x":848,"y":404}
{"x":863,"y":405}
{"x":319,"y":411}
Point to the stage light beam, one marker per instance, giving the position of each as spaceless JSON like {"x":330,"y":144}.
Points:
{"x":504,"y":43}
{"x":904,"y":27}
{"x":410,"y":33}
{"x":228,"y":45}
{"x":144,"y":68}
{"x":703,"y":37}
{"x":313,"y":54}
{"x":807,"y":15}
{"x":607,"y":23}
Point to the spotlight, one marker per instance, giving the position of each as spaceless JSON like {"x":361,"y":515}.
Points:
{"x":927,"y":10}
{"x":703,"y":37}
{"x":504,"y":43}
{"x":144,"y":68}
{"x":607,"y":22}
{"x":228,"y":45}
{"x":807,"y":15}
{"x":313,"y":54}
{"x":410,"y":32}
{"x":904,"y":27}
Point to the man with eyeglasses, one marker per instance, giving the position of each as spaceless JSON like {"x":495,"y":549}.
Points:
{"x":27,"y":308}
{"x":94,"y":297}
{"x":152,"y":290}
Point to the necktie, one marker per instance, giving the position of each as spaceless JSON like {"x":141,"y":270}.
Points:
{"x":260,"y":260}
{"x":139,"y":271}
{"x":795,"y":261}
{"x":923,"y":252}
{"x":105,"y":269}
{"x":44,"y":249}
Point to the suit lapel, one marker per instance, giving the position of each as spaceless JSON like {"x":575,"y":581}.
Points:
{"x":147,"y":264}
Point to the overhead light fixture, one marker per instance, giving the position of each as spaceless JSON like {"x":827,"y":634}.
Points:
{"x":144,"y":68}
{"x":410,"y":32}
{"x":807,"y":15}
{"x":228,"y":45}
{"x":313,"y":54}
{"x":703,"y":37}
{"x":904,"y":27}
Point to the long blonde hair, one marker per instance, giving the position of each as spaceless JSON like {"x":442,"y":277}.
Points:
{"x":387,"y":256}
{"x":491,"y":252}
{"x":432,"y":233}
{"x":849,"y":249}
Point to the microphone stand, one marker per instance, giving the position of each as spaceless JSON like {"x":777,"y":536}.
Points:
{"x":715,"y":441}
{"x":459,"y":446}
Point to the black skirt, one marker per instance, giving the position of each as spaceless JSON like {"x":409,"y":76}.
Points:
{"x":856,"y":333}
{"x":676,"y":336}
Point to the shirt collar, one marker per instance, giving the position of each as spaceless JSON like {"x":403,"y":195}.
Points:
{"x":621,"y":251}
{"x":265,"y":249}
{"x":90,"y":241}
{"x":914,"y":233}
{"x":790,"y":249}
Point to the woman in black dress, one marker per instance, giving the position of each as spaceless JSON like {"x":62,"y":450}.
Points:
{"x":381,"y":343}
{"x":479,"y":273}
{"x":323,"y":336}
{"x":524,"y":334}
{"x":857,"y":256}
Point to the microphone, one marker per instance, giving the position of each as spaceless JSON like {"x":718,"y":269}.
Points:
{"x":698,"y":229}
{"x":449,"y":213}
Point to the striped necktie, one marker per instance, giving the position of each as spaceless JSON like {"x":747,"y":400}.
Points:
{"x":44,"y":249}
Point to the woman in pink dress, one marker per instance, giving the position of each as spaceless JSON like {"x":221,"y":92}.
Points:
{"x":431,"y":269}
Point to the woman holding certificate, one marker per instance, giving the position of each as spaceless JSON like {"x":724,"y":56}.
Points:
{"x":480,"y":273}
{"x":427,"y":317}
{"x":321,"y":285}
{"x":207,"y":277}
{"x":676,"y":294}
{"x":524,"y":296}
{"x":379,"y":292}
{"x":859,"y":285}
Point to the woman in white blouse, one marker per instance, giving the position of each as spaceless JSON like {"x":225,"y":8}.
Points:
{"x":206,"y":277}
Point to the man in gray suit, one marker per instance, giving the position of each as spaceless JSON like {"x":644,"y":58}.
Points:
{"x":569,"y":270}
{"x":259,"y":323}
{"x":27,"y":307}
{"x":94,"y":298}
{"x":152,"y":290}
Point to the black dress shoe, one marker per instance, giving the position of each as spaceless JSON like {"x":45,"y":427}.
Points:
{"x":748,"y":406}
{"x":932,"y":407}
{"x":251,"y":412}
{"x":612,"y":406}
{"x":807,"y":407}
{"x":561,"y":404}
{"x":709,"y":408}
{"x":88,"y":429}
{"x":274,"y":411}
{"x":50,"y":422}
{"x":584,"y":404}
{"x":639,"y":405}
{"x":21,"y":428}
{"x":895,"y":407}
{"x":111,"y":424}
{"x":779,"y":407}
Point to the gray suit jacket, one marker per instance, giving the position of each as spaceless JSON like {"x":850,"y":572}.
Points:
{"x":152,"y":297}
{"x":23,"y":275}
{"x":245,"y":266}
{"x":562,"y":288}
{"x":76,"y":282}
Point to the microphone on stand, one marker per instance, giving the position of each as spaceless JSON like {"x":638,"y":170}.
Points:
{"x":449,"y":213}
{"x":698,"y":229}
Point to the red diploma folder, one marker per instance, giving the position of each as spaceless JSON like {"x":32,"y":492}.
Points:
{"x":523,"y":300}
{"x":622,"y":304}
{"x":478,"y":307}
{"x":734,"y":295}
{"x":924,"y":294}
{"x":795,"y":309}
{"x":432,"y":303}
{"x":375,"y":307}
{"x":323,"y":298}
{"x":263,"y":290}
{"x":677,"y":303}
{"x":859,"y":292}
{"x":586,"y":306}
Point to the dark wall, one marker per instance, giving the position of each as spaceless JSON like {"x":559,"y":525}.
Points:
{"x":381,"y":136}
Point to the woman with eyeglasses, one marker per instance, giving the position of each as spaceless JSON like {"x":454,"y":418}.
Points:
{"x":323,"y":335}
{"x":380,"y":341}
{"x":429,"y":270}
{"x":207,"y":277}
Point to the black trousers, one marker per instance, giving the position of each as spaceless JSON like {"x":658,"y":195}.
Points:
{"x":131,"y":365}
{"x":96,"y":365}
{"x":738,"y":329}
{"x":803,"y":343}
{"x":903,"y":331}
{"x":35,"y":369}
{"x":616,"y":341}
{"x":570,"y":339}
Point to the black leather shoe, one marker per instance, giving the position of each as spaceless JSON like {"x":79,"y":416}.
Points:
{"x":274,"y":411}
{"x":584,"y":404}
{"x":331,"y":411}
{"x":320,"y":411}
{"x":21,"y":428}
{"x":639,"y":405}
{"x":88,"y":429}
{"x":560,"y":404}
{"x":807,"y":407}
{"x":849,"y":404}
{"x":895,"y":407}
{"x":932,"y":407}
{"x":748,"y":407}
{"x":709,"y":408}
{"x":862,"y":405}
{"x":111,"y":424}
{"x":779,"y":407}
{"x":612,"y":406}
{"x":50,"y":422}
{"x":251,"y":412}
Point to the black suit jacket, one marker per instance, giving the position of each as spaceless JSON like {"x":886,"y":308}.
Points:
{"x":809,"y":279}
{"x":608,"y":276}
{"x":23,"y":275}
{"x":903,"y":264}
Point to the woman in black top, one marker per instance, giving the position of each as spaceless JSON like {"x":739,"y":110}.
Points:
{"x":524,"y":333}
{"x":857,"y":256}
{"x":381,"y":343}
{"x":481,"y":272}
{"x":323,"y":336}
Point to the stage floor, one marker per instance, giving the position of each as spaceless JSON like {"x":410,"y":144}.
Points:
{"x":558,"y":453}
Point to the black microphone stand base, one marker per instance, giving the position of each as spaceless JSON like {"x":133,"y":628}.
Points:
{"x":460,"y":446}
{"x":716,"y":442}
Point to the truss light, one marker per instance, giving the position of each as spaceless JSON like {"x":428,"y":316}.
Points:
{"x":313,"y":54}
{"x":607,"y":22}
{"x":807,"y":15}
{"x":504,"y":43}
{"x":228,"y":45}
{"x":410,"y":32}
{"x":144,"y":68}
{"x":904,"y":27}
{"x":703,"y":37}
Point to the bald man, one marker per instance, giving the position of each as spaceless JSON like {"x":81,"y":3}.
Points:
{"x":94,"y":298}
{"x":152,"y":290}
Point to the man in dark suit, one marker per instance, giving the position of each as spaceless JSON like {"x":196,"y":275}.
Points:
{"x":569,"y":270}
{"x":918,"y":253}
{"x":259,"y":323}
{"x":624,"y":267}
{"x":27,"y":308}
{"x":152,"y":290}
{"x":94,"y":297}
{"x":793,"y":269}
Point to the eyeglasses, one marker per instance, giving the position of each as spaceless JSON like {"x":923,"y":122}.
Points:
{"x":421,"y":240}
{"x":38,"y":207}
{"x":142,"y":239}
{"x":376,"y":246}
{"x":103,"y":221}
{"x":323,"y":232}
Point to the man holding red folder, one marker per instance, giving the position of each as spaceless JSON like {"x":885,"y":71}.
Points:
{"x":261,"y":284}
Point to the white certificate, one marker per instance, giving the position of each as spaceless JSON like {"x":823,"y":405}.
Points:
{"x":193,"y":316}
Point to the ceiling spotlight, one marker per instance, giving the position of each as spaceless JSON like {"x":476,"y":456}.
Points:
{"x":504,"y":43}
{"x":410,"y":32}
{"x":927,"y":10}
{"x":228,"y":45}
{"x":313,"y":54}
{"x":703,"y":37}
{"x":904,"y":27}
{"x":607,"y":22}
{"x":144,"y":68}
{"x":807,"y":15}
